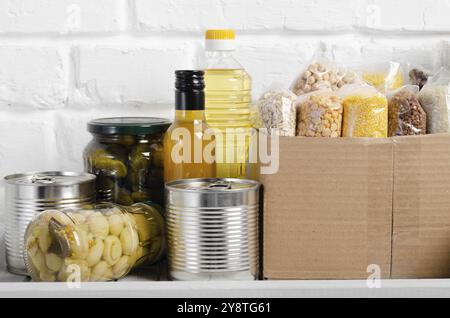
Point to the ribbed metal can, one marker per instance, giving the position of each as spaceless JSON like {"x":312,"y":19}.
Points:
{"x":29,"y":194}
{"x":212,"y":229}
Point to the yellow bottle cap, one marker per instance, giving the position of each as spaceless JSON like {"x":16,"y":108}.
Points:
{"x":220,"y":35}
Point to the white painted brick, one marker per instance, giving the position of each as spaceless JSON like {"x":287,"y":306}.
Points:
{"x":178,"y":14}
{"x":407,"y":15}
{"x":133,"y":76}
{"x":32,"y":76}
{"x":273,"y":62}
{"x":355,"y":53}
{"x":323,"y":15}
{"x":28,"y":142}
{"x":198,"y":15}
{"x":62,"y":16}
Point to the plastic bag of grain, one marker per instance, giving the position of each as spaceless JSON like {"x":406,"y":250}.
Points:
{"x":435,"y":100}
{"x":406,"y":115}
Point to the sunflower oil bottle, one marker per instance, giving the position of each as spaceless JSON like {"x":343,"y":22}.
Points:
{"x":228,"y":105}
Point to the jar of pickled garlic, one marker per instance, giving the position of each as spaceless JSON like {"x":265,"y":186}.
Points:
{"x":102,"y":243}
{"x":126,"y":155}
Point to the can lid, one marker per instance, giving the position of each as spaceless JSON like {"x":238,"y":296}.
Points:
{"x":128,"y":125}
{"x":213,"y":185}
{"x":50,"y":178}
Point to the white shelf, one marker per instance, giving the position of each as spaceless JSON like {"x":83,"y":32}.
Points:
{"x":140,"y":285}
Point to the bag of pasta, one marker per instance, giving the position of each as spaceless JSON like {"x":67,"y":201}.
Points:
{"x":365,"y":112}
{"x":435,"y":100}
{"x":406,"y":115}
{"x":319,"y":114}
{"x":277,"y":112}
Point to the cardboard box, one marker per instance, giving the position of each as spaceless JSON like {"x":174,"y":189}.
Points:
{"x":421,"y":240}
{"x":337,"y":206}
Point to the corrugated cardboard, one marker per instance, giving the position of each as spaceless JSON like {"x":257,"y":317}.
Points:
{"x":328,"y":211}
{"x":337,"y":206}
{"x":421,"y":240}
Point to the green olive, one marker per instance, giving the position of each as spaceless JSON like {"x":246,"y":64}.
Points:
{"x":123,"y":197}
{"x":140,"y":157}
{"x":126,"y":140}
{"x":140,"y":196}
{"x":103,"y":163}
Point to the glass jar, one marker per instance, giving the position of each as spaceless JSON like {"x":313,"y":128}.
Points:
{"x":126,"y":155}
{"x":91,"y":245}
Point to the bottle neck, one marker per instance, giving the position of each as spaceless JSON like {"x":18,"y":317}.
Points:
{"x":190,"y":100}
{"x":221,"y":60}
{"x":219,"y":54}
{"x":189,"y":115}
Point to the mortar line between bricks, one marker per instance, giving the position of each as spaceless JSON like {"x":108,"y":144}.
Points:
{"x":365,"y":33}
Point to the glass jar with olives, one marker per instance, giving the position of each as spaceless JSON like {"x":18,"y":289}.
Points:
{"x":95,"y":244}
{"x":126,"y":155}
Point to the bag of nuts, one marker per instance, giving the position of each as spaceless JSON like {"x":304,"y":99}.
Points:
{"x":321,"y":74}
{"x":277,"y":112}
{"x":319,"y":114}
{"x":406,"y":115}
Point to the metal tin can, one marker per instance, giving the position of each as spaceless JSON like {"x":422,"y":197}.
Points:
{"x":29,"y":194}
{"x":212,"y":228}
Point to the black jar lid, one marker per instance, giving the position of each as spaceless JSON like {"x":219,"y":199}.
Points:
{"x":128,"y":126}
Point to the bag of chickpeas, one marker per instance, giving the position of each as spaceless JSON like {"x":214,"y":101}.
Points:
{"x":319,"y":114}
{"x":406,"y":115}
{"x":322,"y":74}
{"x":365,"y":112}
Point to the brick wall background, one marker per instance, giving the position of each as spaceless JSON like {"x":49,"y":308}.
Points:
{"x":63,"y":62}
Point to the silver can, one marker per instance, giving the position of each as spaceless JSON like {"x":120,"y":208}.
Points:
{"x":29,"y":194}
{"x":212,"y":228}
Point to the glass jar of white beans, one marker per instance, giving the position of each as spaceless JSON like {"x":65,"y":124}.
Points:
{"x":101,"y":243}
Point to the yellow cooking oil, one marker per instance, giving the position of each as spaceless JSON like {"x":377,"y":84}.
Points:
{"x":228,"y":100}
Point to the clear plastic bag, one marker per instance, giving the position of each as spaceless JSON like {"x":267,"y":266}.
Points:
{"x":322,"y":74}
{"x":419,"y":76}
{"x":277,"y":111}
{"x":435,"y":100}
{"x":384,"y":77}
{"x":365,"y":112}
{"x":319,"y":114}
{"x":406,"y":115}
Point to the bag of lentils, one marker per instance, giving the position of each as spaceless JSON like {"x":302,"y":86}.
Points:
{"x":365,"y":112}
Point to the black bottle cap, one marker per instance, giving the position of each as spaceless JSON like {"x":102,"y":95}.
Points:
{"x":189,"y":90}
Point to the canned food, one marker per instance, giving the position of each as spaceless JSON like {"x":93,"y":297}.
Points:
{"x":29,"y":194}
{"x":126,"y":155}
{"x":212,"y":229}
{"x":102,"y":243}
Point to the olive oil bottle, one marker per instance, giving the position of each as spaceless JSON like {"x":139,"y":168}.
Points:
{"x":188,"y":146}
{"x":228,"y":101}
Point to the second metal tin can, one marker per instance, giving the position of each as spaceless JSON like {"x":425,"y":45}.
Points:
{"x":29,"y":194}
{"x":212,"y":228}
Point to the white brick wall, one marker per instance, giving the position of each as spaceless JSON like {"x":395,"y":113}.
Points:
{"x":63,"y":62}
